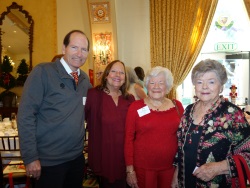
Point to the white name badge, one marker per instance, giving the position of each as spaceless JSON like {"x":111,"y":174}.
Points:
{"x":84,"y":100}
{"x":195,"y":169}
{"x":143,"y":111}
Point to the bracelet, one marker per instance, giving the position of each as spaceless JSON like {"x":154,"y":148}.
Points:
{"x":130,"y":172}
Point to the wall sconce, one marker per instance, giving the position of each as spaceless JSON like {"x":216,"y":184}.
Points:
{"x":102,"y":49}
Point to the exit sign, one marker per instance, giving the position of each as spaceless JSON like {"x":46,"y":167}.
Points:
{"x":225,"y":46}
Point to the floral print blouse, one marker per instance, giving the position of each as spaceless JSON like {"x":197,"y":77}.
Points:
{"x":225,"y":131}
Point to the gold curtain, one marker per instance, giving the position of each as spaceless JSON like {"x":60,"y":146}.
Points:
{"x":247,"y":4}
{"x":178,"y":29}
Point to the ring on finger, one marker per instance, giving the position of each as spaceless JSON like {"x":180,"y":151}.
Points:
{"x":31,"y":175}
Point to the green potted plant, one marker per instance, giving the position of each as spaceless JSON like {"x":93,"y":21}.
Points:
{"x":22,"y":70}
{"x":7,"y":81}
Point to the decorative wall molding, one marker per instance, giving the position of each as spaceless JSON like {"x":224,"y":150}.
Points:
{"x":100,"y":12}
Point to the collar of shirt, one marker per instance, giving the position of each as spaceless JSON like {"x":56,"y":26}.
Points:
{"x":67,"y":68}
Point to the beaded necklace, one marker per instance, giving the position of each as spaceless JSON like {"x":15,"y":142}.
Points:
{"x":158,"y":108}
{"x":196,"y":129}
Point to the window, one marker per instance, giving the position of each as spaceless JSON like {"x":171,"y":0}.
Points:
{"x":228,"y":42}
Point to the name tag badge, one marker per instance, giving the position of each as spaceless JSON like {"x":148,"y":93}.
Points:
{"x":195,"y":168}
{"x":143,"y":111}
{"x":84,"y":100}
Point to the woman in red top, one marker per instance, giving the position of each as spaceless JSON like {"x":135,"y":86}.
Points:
{"x":106,"y":109}
{"x":150,"y":134}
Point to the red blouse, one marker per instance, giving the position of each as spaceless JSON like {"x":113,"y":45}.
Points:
{"x":106,"y":126}
{"x":151,"y":140}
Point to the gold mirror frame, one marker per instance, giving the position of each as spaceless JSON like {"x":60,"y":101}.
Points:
{"x":14,"y":5}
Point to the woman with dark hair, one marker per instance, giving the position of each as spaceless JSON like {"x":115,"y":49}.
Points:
{"x":134,"y":85}
{"x":106,"y":110}
{"x":140,"y":74}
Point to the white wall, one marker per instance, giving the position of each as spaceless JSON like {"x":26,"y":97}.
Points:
{"x":133,"y":32}
{"x":72,"y":15}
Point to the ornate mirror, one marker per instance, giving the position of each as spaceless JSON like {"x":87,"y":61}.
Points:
{"x":16,"y":34}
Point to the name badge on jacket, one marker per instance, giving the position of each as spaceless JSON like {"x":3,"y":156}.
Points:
{"x":143,"y":111}
{"x":84,"y":100}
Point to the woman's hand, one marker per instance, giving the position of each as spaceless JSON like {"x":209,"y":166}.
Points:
{"x":208,"y":171}
{"x":174,"y":183}
{"x":132,"y":180}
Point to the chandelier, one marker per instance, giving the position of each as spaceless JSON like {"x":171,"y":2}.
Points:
{"x":102,"y":49}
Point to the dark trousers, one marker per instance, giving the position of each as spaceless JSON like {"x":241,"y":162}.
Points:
{"x":66,"y":175}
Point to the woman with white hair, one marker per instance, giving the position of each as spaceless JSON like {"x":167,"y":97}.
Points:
{"x":150,"y":133}
{"x":211,"y":131}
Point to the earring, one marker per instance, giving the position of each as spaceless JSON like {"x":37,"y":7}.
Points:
{"x":195,"y":98}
